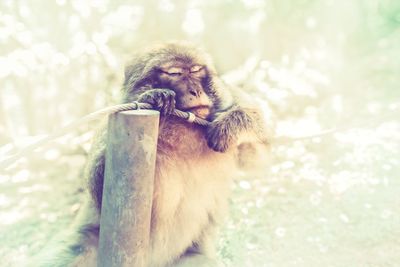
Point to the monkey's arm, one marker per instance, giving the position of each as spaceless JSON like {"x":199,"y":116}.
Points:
{"x":226,"y":127}
{"x":241,"y":121}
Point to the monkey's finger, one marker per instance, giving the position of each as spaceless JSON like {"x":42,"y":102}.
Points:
{"x":171,"y":104}
{"x":158,"y":101}
{"x":165,"y":104}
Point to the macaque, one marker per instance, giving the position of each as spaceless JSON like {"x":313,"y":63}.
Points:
{"x":194,"y":164}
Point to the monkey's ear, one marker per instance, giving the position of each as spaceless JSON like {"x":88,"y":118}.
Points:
{"x":128,"y":73}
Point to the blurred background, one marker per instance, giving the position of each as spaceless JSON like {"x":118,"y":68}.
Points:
{"x":318,"y":64}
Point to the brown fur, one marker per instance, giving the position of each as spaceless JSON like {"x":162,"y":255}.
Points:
{"x":194,"y":164}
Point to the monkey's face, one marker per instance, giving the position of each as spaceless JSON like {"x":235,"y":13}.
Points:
{"x":188,"y":81}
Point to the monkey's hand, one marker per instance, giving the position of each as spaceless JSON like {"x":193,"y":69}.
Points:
{"x":161,"y":99}
{"x":224,"y":130}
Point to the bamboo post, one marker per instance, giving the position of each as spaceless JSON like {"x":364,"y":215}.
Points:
{"x":128,"y":188}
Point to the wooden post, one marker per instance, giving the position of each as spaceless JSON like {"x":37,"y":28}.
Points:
{"x":128,"y":188}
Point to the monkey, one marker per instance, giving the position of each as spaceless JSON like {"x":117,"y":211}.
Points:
{"x":194,"y":164}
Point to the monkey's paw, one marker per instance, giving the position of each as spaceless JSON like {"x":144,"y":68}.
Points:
{"x":219,"y":136}
{"x":161,"y":99}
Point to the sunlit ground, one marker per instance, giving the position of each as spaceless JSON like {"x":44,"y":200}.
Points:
{"x":336,"y":207}
{"x":332,"y":200}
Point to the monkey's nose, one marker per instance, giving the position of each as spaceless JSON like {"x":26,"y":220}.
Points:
{"x":196,"y":93}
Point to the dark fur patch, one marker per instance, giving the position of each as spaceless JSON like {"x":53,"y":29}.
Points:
{"x":89,"y":236}
{"x":90,"y":230}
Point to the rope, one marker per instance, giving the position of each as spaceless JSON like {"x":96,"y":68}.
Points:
{"x":190,"y":117}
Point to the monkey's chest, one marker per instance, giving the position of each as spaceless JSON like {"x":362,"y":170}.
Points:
{"x":189,"y":196}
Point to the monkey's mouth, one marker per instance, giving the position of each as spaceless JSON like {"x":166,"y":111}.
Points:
{"x":201,"y":111}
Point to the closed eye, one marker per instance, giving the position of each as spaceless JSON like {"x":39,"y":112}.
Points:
{"x":174,"y":71}
{"x":196,"y":68}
